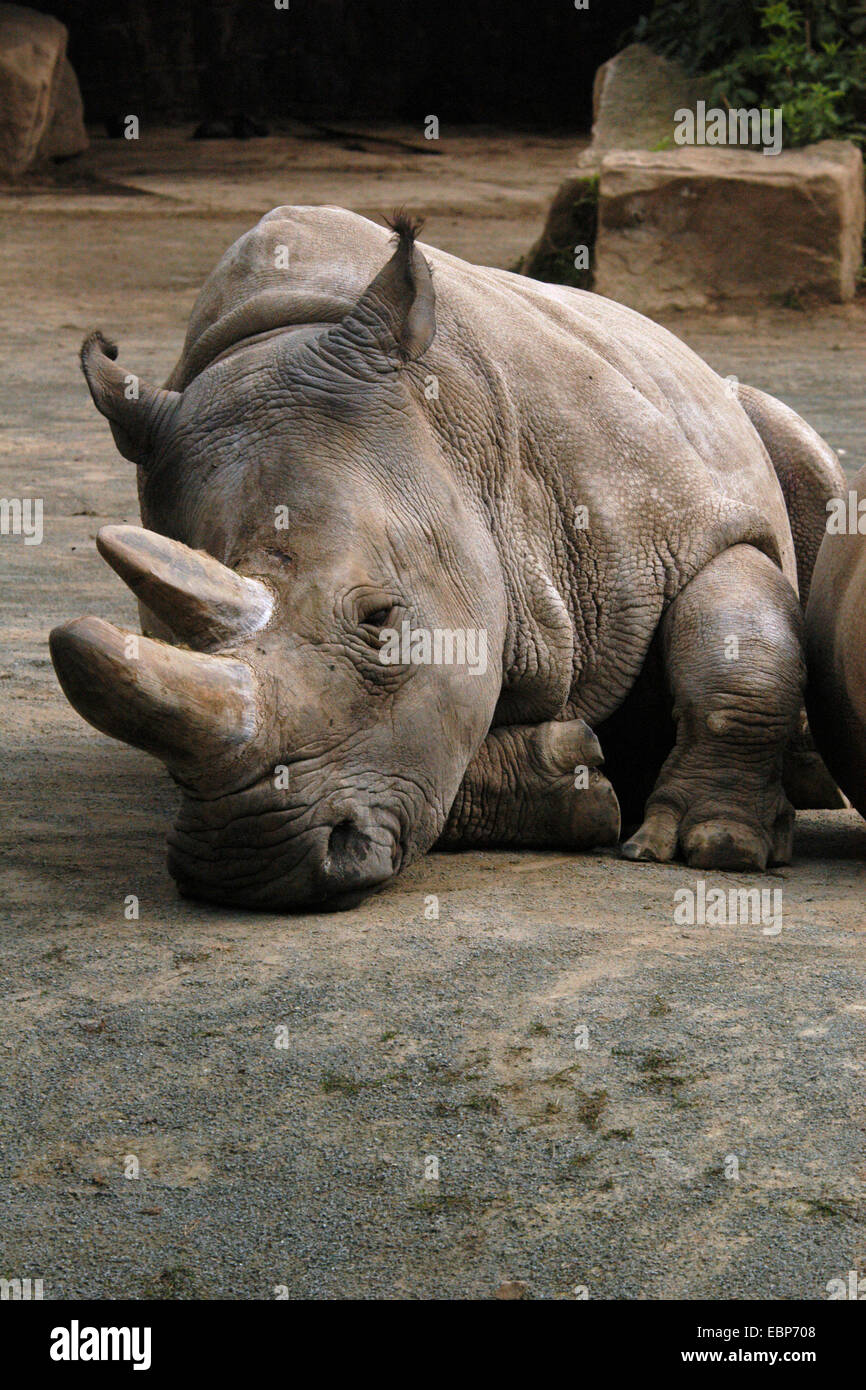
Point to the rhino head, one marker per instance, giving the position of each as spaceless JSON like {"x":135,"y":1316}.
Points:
{"x":299,"y":504}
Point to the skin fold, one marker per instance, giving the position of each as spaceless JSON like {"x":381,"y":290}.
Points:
{"x":363,"y":432}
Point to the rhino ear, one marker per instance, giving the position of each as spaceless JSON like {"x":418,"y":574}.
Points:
{"x":396,"y":314}
{"x":136,"y":413}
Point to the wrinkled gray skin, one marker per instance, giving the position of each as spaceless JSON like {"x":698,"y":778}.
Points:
{"x":836,"y":645}
{"x":431,"y":444}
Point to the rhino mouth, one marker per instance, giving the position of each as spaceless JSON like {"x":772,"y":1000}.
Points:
{"x":264,"y":861}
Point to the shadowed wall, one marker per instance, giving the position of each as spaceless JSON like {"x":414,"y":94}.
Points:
{"x":530,"y":62}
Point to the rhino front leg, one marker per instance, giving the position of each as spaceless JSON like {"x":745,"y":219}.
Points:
{"x":732,"y":645}
{"x":535,"y":785}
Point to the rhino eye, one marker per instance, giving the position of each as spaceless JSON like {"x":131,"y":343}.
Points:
{"x":376,"y":619}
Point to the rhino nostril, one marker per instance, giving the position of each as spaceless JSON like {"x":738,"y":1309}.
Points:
{"x":353,"y":858}
{"x":347,"y":845}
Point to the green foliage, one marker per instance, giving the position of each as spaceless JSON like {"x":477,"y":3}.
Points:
{"x":806,"y":56}
{"x":819,"y":82}
{"x":700,"y":34}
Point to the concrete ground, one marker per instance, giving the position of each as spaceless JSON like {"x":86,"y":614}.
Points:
{"x":198,"y":1103}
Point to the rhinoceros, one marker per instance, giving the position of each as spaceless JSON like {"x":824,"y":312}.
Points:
{"x":836,"y":643}
{"x":570,"y":535}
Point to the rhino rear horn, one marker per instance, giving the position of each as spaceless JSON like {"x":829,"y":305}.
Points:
{"x":137,"y":413}
{"x":192,"y":710}
{"x":396,"y":314}
{"x":201,"y":601}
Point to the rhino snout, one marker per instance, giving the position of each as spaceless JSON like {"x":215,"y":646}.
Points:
{"x":259,"y":862}
{"x":354,"y":860}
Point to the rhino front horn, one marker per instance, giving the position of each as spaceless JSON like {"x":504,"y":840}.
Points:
{"x":201,"y":601}
{"x":192,"y":710}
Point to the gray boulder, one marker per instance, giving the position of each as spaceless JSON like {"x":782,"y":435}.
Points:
{"x":32,"y":49}
{"x":690,"y":227}
{"x":41,"y":112}
{"x":634,"y":97}
{"x":66,"y":135}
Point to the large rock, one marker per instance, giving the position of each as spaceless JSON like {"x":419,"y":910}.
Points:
{"x":65,"y":135}
{"x":32,"y":50}
{"x":688,"y":227}
{"x":634,"y":97}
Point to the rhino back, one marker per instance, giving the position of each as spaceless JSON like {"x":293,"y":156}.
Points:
{"x":601,"y":373}
{"x":550,"y":400}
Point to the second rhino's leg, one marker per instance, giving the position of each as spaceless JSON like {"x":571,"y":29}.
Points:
{"x":535,"y":785}
{"x":733,"y":654}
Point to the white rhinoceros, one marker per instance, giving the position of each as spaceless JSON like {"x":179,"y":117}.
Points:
{"x":836,"y":643}
{"x":416,"y":528}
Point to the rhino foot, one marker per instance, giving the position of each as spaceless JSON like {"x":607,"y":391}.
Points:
{"x":718,"y":843}
{"x":570,"y":801}
{"x":535,"y":785}
{"x":735,"y":668}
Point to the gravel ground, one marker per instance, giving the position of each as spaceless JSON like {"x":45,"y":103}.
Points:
{"x":286,"y":1089}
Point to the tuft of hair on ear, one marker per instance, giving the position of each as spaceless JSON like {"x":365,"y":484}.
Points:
{"x":96,"y":341}
{"x":396,"y":314}
{"x":405,"y":227}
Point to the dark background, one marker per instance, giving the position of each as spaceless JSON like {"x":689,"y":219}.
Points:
{"x":520,"y":62}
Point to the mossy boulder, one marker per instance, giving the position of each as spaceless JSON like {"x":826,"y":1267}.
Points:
{"x":564,"y":254}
